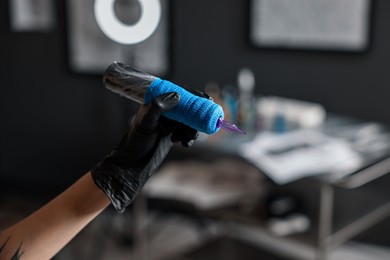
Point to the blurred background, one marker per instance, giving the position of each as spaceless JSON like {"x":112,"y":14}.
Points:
{"x":58,"y":120}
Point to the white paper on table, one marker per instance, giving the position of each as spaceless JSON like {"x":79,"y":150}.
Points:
{"x":293,"y":155}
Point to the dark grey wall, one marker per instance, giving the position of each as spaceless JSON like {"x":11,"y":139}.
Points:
{"x":211,"y":43}
{"x":55,"y":125}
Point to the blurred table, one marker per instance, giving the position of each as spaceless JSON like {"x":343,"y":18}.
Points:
{"x":340,"y":205}
{"x":347,"y":203}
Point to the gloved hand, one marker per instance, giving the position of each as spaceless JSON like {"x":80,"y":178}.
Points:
{"x":123,"y":173}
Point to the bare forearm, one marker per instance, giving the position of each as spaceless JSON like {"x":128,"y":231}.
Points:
{"x":48,"y":230}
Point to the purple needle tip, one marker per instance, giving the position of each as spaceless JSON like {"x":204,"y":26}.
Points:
{"x":228,"y":126}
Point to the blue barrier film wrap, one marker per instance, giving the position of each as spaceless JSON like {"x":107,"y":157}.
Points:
{"x":197,"y":112}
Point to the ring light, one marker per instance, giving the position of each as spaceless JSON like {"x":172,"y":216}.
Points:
{"x":122,"y":33}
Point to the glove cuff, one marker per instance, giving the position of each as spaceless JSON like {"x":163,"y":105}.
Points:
{"x":122,"y":184}
{"x":120,"y":187}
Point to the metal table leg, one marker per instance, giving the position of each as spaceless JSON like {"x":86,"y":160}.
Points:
{"x":325,"y":220}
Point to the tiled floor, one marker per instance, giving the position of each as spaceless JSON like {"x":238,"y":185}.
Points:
{"x":109,"y":237}
{"x":167,"y":237}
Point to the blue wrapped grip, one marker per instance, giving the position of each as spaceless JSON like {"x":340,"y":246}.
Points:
{"x":197,"y":112}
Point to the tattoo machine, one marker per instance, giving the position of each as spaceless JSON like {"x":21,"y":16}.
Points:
{"x":197,"y":112}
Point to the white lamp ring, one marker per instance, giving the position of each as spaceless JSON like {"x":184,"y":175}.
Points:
{"x":122,"y":33}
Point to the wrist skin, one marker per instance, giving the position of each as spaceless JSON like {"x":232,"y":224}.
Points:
{"x":45,"y":232}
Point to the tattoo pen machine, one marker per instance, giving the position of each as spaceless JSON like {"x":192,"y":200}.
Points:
{"x":197,"y":112}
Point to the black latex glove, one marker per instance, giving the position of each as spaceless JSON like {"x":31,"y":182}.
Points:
{"x":123,"y":173}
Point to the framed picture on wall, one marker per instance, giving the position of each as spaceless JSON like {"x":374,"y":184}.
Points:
{"x":340,"y":25}
{"x":135,"y":32}
{"x":32,"y":15}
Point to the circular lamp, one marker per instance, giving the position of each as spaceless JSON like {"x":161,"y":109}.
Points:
{"x":122,"y":33}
